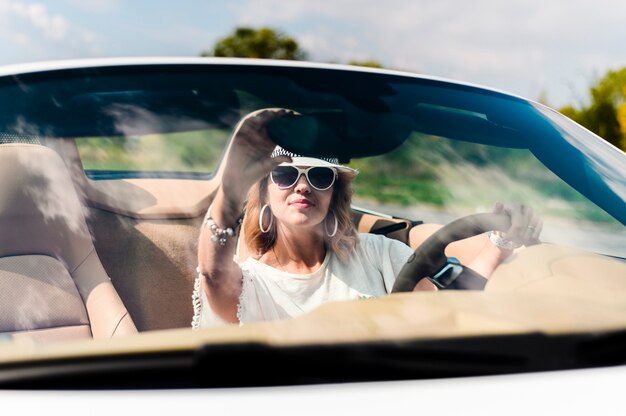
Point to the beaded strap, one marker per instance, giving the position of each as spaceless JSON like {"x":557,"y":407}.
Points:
{"x":196,"y":302}
{"x":221,"y":235}
{"x":501,"y":242}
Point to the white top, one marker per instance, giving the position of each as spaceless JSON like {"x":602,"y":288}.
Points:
{"x":270,"y":294}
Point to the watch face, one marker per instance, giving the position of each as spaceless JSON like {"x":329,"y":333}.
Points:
{"x":448,"y":274}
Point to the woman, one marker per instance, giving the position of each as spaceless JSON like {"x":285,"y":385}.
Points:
{"x":305,"y":250}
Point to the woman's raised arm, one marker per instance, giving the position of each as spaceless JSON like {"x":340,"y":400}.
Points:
{"x":248,"y":161}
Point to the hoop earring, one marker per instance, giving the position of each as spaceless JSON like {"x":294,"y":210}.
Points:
{"x":334,"y":229}
{"x":269,"y":227}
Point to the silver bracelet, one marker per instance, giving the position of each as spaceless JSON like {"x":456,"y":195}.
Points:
{"x":220,"y":235}
{"x":502,"y":242}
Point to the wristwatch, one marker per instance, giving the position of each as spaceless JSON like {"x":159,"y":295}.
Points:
{"x":453,"y":275}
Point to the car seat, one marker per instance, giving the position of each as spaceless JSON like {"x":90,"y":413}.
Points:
{"x":52,"y":284}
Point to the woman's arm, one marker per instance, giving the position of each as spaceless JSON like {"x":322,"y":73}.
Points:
{"x":479,"y":253}
{"x":248,"y":161}
{"x":524,"y":230}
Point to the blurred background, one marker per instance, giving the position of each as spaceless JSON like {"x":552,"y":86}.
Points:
{"x":568,"y":54}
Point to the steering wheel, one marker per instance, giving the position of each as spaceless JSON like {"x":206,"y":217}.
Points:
{"x":429,"y":258}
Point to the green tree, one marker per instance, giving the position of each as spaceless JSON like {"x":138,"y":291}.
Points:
{"x":370,"y":63}
{"x":264,"y":43}
{"x":606,"y":113}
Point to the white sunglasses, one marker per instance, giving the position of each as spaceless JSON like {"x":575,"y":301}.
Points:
{"x":319,"y":177}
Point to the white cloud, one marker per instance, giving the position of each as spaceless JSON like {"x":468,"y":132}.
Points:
{"x":51,"y":26}
{"x":334,"y":48}
{"x":524,"y":46}
{"x":273,"y":10}
{"x":527,"y":46}
{"x":96,"y":6}
{"x":35,"y":33}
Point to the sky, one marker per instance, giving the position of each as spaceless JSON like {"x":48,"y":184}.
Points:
{"x":551,"y":50}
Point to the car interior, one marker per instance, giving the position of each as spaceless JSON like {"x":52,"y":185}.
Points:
{"x":139,"y":233}
{"x":94,"y":254}
{"x":54,"y":285}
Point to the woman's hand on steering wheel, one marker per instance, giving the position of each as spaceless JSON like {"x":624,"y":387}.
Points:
{"x":514,"y":221}
{"x":526,"y":225}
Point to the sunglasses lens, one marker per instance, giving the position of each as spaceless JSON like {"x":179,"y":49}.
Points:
{"x":321,"y":178}
{"x":284,"y":176}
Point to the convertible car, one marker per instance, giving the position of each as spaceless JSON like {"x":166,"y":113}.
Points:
{"x":107,"y":168}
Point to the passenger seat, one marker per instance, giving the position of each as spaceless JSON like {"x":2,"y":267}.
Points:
{"x":52,"y":284}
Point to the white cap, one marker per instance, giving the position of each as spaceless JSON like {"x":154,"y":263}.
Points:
{"x":297,"y":160}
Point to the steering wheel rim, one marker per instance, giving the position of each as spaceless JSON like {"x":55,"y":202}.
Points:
{"x":429,"y":257}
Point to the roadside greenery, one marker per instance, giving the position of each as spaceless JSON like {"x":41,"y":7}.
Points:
{"x":439,"y":173}
{"x":605,"y":114}
{"x":194,"y":151}
{"x":426,"y":171}
{"x":264,"y":43}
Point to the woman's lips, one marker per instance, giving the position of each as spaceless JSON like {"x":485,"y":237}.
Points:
{"x":301,"y":203}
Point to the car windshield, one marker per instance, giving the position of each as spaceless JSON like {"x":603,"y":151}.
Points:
{"x":138,"y":153}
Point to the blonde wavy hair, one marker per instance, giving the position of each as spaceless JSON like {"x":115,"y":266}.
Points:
{"x":342,"y":243}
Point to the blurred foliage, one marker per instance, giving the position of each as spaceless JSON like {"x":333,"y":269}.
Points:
{"x":368,"y":63}
{"x":264,"y":43}
{"x":425,"y":171}
{"x":606,"y":113}
{"x":467,"y":177}
{"x":196,"y":151}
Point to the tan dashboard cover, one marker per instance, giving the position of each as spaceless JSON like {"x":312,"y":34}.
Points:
{"x":548,"y":289}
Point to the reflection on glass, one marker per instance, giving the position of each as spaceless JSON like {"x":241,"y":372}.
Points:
{"x":190,"y":151}
{"x":435,"y":179}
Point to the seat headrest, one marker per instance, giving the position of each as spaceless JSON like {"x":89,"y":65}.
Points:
{"x":40,"y":211}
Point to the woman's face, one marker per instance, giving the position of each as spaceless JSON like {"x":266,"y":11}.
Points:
{"x":300,"y":205}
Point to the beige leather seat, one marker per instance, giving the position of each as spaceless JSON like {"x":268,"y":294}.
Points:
{"x":52,"y":284}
